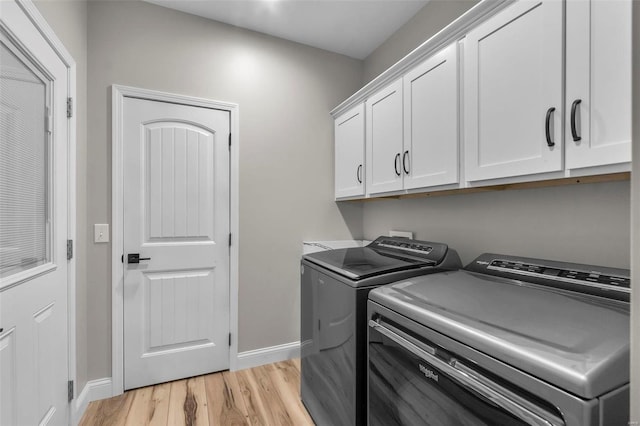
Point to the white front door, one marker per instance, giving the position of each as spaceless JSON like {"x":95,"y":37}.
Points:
{"x":176,"y":219}
{"x":34,"y":341}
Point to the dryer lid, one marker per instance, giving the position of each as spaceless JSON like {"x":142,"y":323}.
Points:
{"x":578,"y":342}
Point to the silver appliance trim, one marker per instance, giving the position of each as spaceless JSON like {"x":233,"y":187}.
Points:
{"x":561,"y":279}
{"x":335,"y":269}
{"x":473,"y":380}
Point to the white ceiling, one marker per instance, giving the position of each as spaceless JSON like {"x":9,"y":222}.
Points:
{"x":350,"y":27}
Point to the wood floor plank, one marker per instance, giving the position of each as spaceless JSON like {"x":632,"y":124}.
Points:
{"x":159,"y":409}
{"x":178,"y":394}
{"x":251,"y":399}
{"x":286,"y":380}
{"x":195,"y":405}
{"x":267,"y":395}
{"x":112,"y":411}
{"x":140,"y":407}
{"x":187,"y":403}
{"x":224,"y":401}
{"x":90,"y":414}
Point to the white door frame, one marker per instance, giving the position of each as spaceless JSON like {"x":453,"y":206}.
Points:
{"x":118,"y":94}
{"x":34,"y":15}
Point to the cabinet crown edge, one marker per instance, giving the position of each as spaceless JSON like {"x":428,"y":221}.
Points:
{"x":455,"y":31}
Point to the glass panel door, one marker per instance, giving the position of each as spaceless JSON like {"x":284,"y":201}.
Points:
{"x":24,"y":163}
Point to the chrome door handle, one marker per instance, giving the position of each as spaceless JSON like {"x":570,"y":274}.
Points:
{"x":135,"y":258}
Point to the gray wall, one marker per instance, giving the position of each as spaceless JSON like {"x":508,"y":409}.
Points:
{"x":285,"y":91}
{"x":584,"y":223}
{"x":69,"y":21}
{"x":433,"y":17}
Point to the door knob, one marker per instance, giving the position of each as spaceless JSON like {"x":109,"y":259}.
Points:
{"x":135,"y":258}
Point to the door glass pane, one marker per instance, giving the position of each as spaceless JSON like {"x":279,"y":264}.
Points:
{"x":24,"y":233}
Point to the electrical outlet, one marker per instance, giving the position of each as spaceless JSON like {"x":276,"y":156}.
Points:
{"x":405,"y":234}
{"x":101,"y":233}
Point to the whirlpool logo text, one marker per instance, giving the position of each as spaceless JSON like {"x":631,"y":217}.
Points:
{"x":429,"y":374}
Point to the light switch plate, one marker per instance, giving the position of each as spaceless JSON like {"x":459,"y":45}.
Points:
{"x":101,"y":233}
{"x":405,"y":234}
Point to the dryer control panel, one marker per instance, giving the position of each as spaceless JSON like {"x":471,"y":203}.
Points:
{"x":597,"y":280}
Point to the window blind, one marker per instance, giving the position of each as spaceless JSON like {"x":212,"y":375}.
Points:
{"x":23,"y":165}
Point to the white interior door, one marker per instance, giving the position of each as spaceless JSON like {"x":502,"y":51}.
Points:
{"x":176,"y":217}
{"x":34,"y":343}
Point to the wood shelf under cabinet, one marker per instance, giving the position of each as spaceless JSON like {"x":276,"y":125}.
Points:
{"x":611,"y":177}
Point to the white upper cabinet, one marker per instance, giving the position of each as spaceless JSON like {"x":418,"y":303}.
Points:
{"x":513,"y":79}
{"x":349,"y":151}
{"x":598,"y":83}
{"x":384,"y":139}
{"x":430,"y":155}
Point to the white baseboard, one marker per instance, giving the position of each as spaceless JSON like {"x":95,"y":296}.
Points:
{"x":257,"y":357}
{"x":93,"y":391}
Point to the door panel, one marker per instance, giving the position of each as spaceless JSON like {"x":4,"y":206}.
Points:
{"x":513,"y":77}
{"x":8,"y":387}
{"x":176,"y":214}
{"x":431,"y":121}
{"x":349,"y":155}
{"x":181,"y":310}
{"x":599,"y":76}
{"x":34,"y":344}
{"x":384,"y":139}
{"x":180,"y":160}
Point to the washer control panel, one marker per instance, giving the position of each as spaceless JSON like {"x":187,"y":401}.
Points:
{"x":429,"y":251}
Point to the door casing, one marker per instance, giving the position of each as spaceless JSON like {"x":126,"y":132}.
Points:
{"x":118,"y":94}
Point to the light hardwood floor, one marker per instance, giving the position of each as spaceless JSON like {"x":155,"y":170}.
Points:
{"x":266,"y":395}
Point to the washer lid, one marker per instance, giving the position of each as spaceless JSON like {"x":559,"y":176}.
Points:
{"x":382,"y":256}
{"x":577,"y":342}
{"x":362,"y":262}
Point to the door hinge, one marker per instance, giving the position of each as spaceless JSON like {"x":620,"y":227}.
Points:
{"x":229,"y":141}
{"x":69,"y":249}
{"x":229,"y":239}
{"x":69,"y":107}
{"x":229,"y":339}
{"x":70,"y":390}
{"x":47,"y":120}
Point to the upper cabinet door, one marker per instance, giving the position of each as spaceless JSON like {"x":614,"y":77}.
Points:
{"x":513,"y":92}
{"x":598,"y":126}
{"x":384,"y":139}
{"x":430,"y":155}
{"x":349,"y":151}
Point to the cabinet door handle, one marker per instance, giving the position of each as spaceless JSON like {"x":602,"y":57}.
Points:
{"x":574,"y":111}
{"x":405,"y":157}
{"x":396,"y":164}
{"x":359,"y":173}
{"x":547,"y":126}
